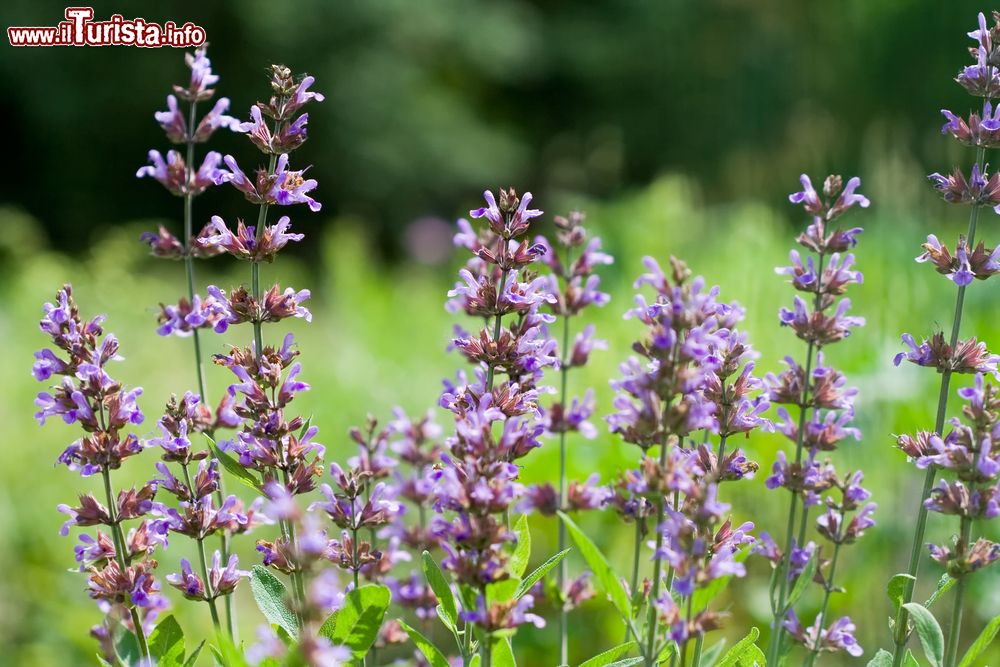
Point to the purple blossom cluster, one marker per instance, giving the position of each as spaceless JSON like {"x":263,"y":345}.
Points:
{"x":972,"y":493}
{"x":202,"y":510}
{"x":119,"y":565}
{"x":825,"y":405}
{"x":496,"y":413}
{"x":963,"y":454}
{"x":695,"y":374}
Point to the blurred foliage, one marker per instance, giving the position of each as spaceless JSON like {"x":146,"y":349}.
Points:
{"x":427,"y":101}
{"x":427,"y":104}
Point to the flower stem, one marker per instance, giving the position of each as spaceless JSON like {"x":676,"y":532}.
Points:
{"x":955,"y":631}
{"x":774,"y":645}
{"x":635,"y":566}
{"x":210,"y":597}
{"x":782,"y":572}
{"x":496,"y":332}
{"x":901,"y":632}
{"x":651,"y":624}
{"x":563,"y":574}
{"x":821,"y":619}
{"x":119,"y":539}
{"x":196,"y":334}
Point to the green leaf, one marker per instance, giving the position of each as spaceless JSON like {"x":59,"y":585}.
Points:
{"x":270,"y":595}
{"x":522,"y":552}
{"x":233,"y":467}
{"x":501,"y":652}
{"x":193,"y":658}
{"x":881,"y":659}
{"x":944,"y":585}
{"x":741,"y":650}
{"x":607,"y":657}
{"x":166,"y":643}
{"x":982,"y":642}
{"x":227,"y":654}
{"x":127,"y":648}
{"x":538,"y":573}
{"x":802,"y":582}
{"x":438,"y":584}
{"x":326,"y":630}
{"x":896,"y":589}
{"x":909,"y":660}
{"x":703,"y":596}
{"x":446,"y":621}
{"x":929,"y":632}
{"x":360,"y":618}
{"x":607,"y":580}
{"x":434,"y":656}
{"x":475,"y":662}
{"x":102,"y":662}
{"x":627,"y":662}
{"x":502,"y":591}
{"x":712,"y":654}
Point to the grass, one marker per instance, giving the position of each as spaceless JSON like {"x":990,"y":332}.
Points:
{"x":378,"y":339}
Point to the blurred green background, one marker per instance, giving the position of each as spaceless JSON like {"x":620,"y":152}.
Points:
{"x":679,"y":126}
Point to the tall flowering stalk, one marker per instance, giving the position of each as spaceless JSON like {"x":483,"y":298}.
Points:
{"x":948,"y":356}
{"x":197,"y":515}
{"x":576,"y":287}
{"x":824,"y":401}
{"x":496,"y":421}
{"x":685,"y":385}
{"x":193,"y":313}
{"x":279,"y":448}
{"x":119,"y":564}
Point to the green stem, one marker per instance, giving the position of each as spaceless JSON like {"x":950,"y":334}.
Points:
{"x":258,"y":337}
{"x":699,"y":645}
{"x":563,"y":574}
{"x":210,"y":592}
{"x":188,"y":258}
{"x":496,"y":329}
{"x":652,"y":622}
{"x":635,"y":566}
{"x":774,"y":645}
{"x":955,"y":630}
{"x":901,"y":633}
{"x":119,"y":539}
{"x":814,"y":653}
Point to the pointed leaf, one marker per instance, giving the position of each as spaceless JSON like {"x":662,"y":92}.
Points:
{"x":234,"y":468}
{"x":438,"y":584}
{"x":127,"y":648}
{"x":227,"y":654}
{"x":627,"y":662}
{"x":881,"y":659}
{"x":703,"y":596}
{"x":522,"y":552}
{"x":929,"y":632}
{"x":982,"y":642}
{"x":896,"y":588}
{"x":944,"y":585}
{"x":434,"y":656}
{"x":802,"y":582}
{"x":607,"y":657}
{"x":270,"y":595}
{"x":713,"y":653}
{"x":607,"y":580}
{"x":734,"y":657}
{"x":501,"y":652}
{"x":502,"y":591}
{"x":538,"y":573}
{"x":166,"y":643}
{"x":193,"y":658}
{"x":360,"y":619}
